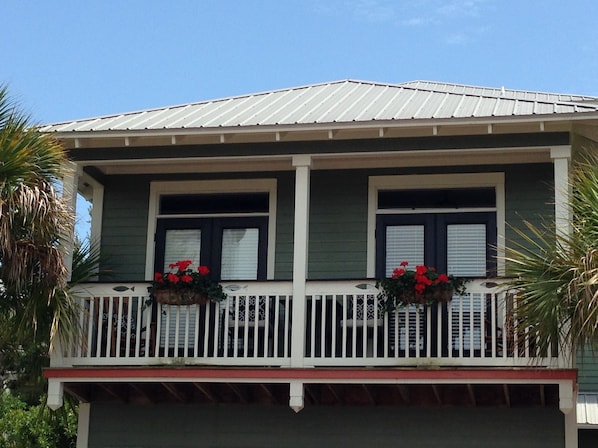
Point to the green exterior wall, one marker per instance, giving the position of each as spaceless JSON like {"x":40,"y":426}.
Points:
{"x":529,"y":196}
{"x":124,"y":227}
{"x":119,"y":426}
{"x":338,"y":224}
{"x":587,"y":365}
{"x":338,"y":216}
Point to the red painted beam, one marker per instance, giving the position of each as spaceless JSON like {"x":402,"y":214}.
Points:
{"x":313,"y":375}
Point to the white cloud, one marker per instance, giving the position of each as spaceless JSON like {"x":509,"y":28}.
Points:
{"x":456,"y":39}
{"x":460,"y":8}
{"x":373,"y":10}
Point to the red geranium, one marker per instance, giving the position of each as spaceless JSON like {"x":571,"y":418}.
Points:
{"x":420,"y":285}
{"x":183,"y":278}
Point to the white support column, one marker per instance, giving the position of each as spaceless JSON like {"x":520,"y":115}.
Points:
{"x":296,"y":395}
{"x":568,"y":406}
{"x":83,"y":425}
{"x":561,"y":156}
{"x":302,"y":166}
{"x":97,"y":208}
{"x":55,"y":394}
{"x":69,"y":193}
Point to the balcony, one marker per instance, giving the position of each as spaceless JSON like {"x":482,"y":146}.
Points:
{"x":344,"y":326}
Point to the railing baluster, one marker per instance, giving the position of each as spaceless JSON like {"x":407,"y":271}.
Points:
{"x":323,"y":326}
{"x":477,"y":329}
{"x":287,"y":326}
{"x":333,"y":351}
{"x":429,"y":330}
{"x":116,"y":326}
{"x":90,"y":323}
{"x":187,"y":311}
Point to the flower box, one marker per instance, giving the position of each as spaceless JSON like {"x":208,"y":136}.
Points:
{"x":185,"y":286}
{"x":437,"y":295}
{"x":422,"y":286}
{"x":180,"y":297}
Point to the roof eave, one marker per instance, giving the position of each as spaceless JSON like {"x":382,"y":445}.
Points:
{"x":328,"y":131}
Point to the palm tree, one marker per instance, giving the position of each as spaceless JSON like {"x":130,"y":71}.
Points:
{"x":555,"y":274}
{"x":34,"y":222}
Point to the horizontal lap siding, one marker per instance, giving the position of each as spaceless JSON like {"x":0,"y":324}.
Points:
{"x":338,"y":217}
{"x":338,"y":224}
{"x":182,"y":426}
{"x":125,"y":214}
{"x":587,"y":363}
{"x":529,"y":196}
{"x":284,"y":226}
{"x":124,"y":227}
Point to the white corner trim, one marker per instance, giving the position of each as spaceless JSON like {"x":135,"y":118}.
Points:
{"x":210,"y":186}
{"x":83,"y":425}
{"x":421,"y":181}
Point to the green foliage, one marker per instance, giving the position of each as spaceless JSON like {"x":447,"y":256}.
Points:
{"x":555,"y":272}
{"x":34,"y":221}
{"x":24,"y":426}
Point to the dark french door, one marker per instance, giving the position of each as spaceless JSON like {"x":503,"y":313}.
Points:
{"x":233,"y":248}
{"x":462,"y":244}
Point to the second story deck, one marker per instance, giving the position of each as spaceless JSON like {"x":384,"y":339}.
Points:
{"x":345,"y":325}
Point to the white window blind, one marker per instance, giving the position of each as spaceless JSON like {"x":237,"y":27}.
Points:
{"x":466,"y":250}
{"x":404,"y":243}
{"x":182,"y":244}
{"x":239,"y":254}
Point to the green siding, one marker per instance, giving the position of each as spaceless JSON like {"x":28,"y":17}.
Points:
{"x":587,"y":365}
{"x":529,"y":196}
{"x":124,"y":227}
{"x":284,"y":226}
{"x":338,"y":216}
{"x":344,"y":426}
{"x":338,"y":225}
{"x":125,"y":214}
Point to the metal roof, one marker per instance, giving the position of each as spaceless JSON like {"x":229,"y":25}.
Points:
{"x":346,"y":101}
{"x":587,"y":409}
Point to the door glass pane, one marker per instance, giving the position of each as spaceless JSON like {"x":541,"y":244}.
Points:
{"x":239,"y":254}
{"x":466,"y":250}
{"x":182,"y":244}
{"x":404,"y":243}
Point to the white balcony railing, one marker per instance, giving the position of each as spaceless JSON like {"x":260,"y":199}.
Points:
{"x":345,"y":325}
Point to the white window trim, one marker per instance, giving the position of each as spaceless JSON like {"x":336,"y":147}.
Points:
{"x":211,"y":186}
{"x":435,"y":181}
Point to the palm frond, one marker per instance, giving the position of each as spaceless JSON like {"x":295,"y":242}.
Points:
{"x":555,"y":274}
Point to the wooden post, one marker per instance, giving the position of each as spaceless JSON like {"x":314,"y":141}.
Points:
{"x":302,"y":166}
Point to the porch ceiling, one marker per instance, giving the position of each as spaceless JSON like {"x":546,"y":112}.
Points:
{"x":319,"y":394}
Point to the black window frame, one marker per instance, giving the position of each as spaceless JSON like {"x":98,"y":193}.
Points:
{"x":211,"y":240}
{"x":435,"y":236}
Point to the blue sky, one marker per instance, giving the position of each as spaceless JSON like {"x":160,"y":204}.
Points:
{"x":68,"y":59}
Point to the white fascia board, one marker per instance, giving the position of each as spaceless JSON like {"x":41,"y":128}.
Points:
{"x":322,"y":127}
